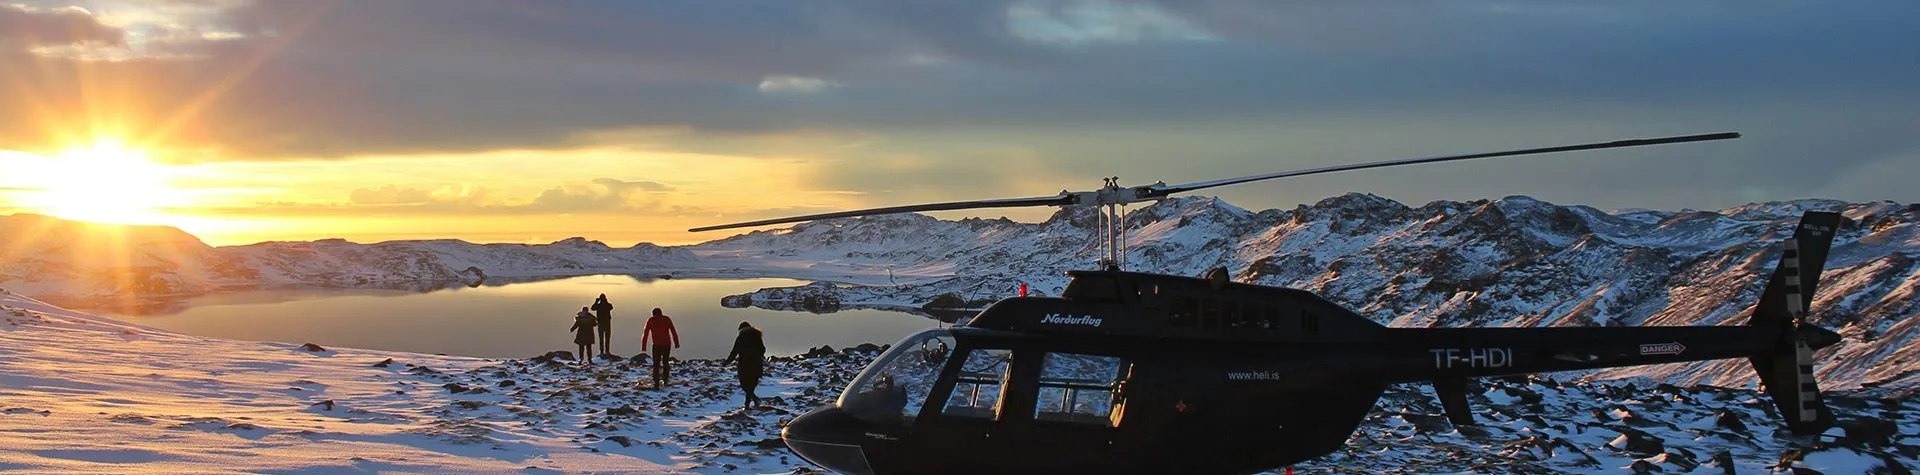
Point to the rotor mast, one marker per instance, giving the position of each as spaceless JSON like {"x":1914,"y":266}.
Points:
{"x":1112,"y":234}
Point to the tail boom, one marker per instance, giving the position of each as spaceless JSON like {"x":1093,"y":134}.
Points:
{"x":1776,"y":340}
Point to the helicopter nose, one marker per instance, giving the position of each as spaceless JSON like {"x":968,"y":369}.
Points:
{"x":828,"y":437}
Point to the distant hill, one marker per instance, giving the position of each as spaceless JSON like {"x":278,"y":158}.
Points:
{"x":1515,"y":261}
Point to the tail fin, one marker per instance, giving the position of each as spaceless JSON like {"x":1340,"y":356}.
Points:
{"x":1786,"y":371}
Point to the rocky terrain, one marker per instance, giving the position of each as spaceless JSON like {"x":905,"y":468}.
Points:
{"x":222,"y":406}
{"x":1503,"y":263}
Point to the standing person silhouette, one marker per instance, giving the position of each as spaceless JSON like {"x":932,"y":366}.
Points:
{"x":603,"y":319}
{"x":660,"y":330}
{"x":583,"y":334}
{"x":752,"y":352}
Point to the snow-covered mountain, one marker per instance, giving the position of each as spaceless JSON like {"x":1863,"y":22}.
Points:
{"x":1516,"y":261}
{"x":1511,"y":262}
{"x":64,"y":260}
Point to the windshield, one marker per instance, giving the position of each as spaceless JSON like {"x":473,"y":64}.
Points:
{"x":895,"y":386}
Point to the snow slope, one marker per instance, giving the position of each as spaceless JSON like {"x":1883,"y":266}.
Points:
{"x":84,"y":394}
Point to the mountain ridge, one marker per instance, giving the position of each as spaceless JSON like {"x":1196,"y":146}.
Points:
{"x":1514,"y":261}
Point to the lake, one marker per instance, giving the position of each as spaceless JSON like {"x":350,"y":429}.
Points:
{"x":519,"y":320}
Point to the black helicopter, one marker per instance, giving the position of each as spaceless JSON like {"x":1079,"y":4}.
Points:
{"x":1130,"y":372}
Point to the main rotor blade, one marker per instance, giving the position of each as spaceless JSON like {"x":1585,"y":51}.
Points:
{"x":1056,"y":200}
{"x":1158,"y":192}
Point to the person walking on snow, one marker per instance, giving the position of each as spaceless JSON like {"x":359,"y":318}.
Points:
{"x":752,"y":352}
{"x":603,"y":320}
{"x":583,"y":334}
{"x":660,"y":330}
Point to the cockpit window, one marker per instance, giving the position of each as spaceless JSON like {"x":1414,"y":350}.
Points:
{"x":895,"y":386}
{"x":1079,"y":388}
{"x":976,"y":391}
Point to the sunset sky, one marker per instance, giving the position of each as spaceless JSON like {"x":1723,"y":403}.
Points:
{"x":625,"y":121}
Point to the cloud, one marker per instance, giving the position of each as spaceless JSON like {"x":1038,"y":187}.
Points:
{"x":794,"y":84}
{"x":601,"y":195}
{"x":388,"y":194}
{"x":443,"y":197}
{"x":1073,"y":85}
{"x":604,"y":194}
{"x":30,"y":26}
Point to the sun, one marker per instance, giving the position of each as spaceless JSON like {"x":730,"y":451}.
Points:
{"x":105,"y":182}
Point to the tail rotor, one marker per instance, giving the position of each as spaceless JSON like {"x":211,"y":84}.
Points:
{"x":1786,"y":371}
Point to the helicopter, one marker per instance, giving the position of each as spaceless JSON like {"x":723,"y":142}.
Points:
{"x":1139,"y":372}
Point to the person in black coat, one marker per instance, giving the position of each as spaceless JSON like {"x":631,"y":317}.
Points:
{"x":752,"y":353}
{"x":603,"y":321}
{"x":583,"y":334}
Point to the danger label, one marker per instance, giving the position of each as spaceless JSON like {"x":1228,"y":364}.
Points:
{"x":1662,"y":348}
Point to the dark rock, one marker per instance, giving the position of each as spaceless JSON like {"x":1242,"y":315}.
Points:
{"x":1536,"y":421}
{"x":622,"y":411}
{"x":505,"y":383}
{"x":1641,"y":443}
{"x":1788,"y":458}
{"x":555,"y":355}
{"x":326,"y":405}
{"x":1427,"y":424}
{"x":867,"y":348}
{"x":1523,"y":395}
{"x":1889,"y":466}
{"x":1724,"y":461}
{"x":383,"y":363}
{"x":1681,"y":461}
{"x":1729,"y":420}
{"x":823,"y":350}
{"x":1562,"y":444}
{"x":470,"y":405}
{"x":456,"y":388}
{"x":1868,"y":432}
{"x":312,"y":347}
{"x":624,"y":441}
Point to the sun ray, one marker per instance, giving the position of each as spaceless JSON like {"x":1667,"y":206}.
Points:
{"x":16,"y":243}
{"x":191,"y":110}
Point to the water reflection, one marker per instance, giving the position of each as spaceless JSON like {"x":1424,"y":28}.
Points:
{"x":506,"y":319}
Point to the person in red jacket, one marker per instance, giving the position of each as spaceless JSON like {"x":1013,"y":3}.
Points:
{"x":660,"y":329}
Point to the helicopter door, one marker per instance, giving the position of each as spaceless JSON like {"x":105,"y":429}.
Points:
{"x":978,"y":385}
{"x":969,"y":414}
{"x":1077,"y":406}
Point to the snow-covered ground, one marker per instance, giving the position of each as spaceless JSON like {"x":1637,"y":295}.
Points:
{"x":86,"y":394}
